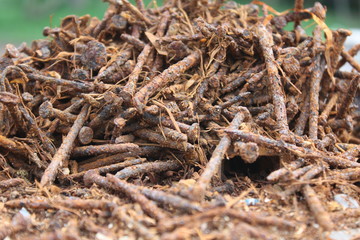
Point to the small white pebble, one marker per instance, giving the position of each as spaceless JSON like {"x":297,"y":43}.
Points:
{"x":25,"y":212}
{"x":346,"y":201}
{"x":100,"y":236}
{"x":65,"y":171}
{"x":124,"y":238}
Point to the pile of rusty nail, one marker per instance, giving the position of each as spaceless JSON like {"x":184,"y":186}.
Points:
{"x":160,"y":121}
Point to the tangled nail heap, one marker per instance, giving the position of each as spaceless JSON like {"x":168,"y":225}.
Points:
{"x":191,"y":120}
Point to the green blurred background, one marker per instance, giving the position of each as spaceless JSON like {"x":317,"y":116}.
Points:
{"x":24,"y":20}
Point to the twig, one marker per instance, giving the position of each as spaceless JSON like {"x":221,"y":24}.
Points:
{"x":92,"y":150}
{"x":13,"y":182}
{"x":160,"y":139}
{"x":276,"y":175}
{"x":212,"y":167}
{"x":136,"y":11}
{"x":349,"y":97}
{"x":158,"y":166}
{"x":129,"y":222}
{"x":128,"y":91}
{"x":351,"y":153}
{"x":249,"y":217}
{"x":317,"y":209}
{"x":274,"y":82}
{"x":148,"y":206}
{"x":304,"y":116}
{"x":36,"y":203}
{"x":112,"y":159}
{"x":81,"y":86}
{"x":316,"y":76}
{"x":299,"y":151}
{"x":329,"y":106}
{"x":352,"y":52}
{"x":133,"y":40}
{"x":63,"y":153}
{"x":351,"y":60}
{"x":352,"y":174}
{"x":109,"y":168}
{"x":113,"y":182}
{"x":299,"y":5}
{"x":173,"y":200}
{"x":169,"y":75}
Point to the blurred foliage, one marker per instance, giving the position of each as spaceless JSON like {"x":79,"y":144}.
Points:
{"x":24,"y":20}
